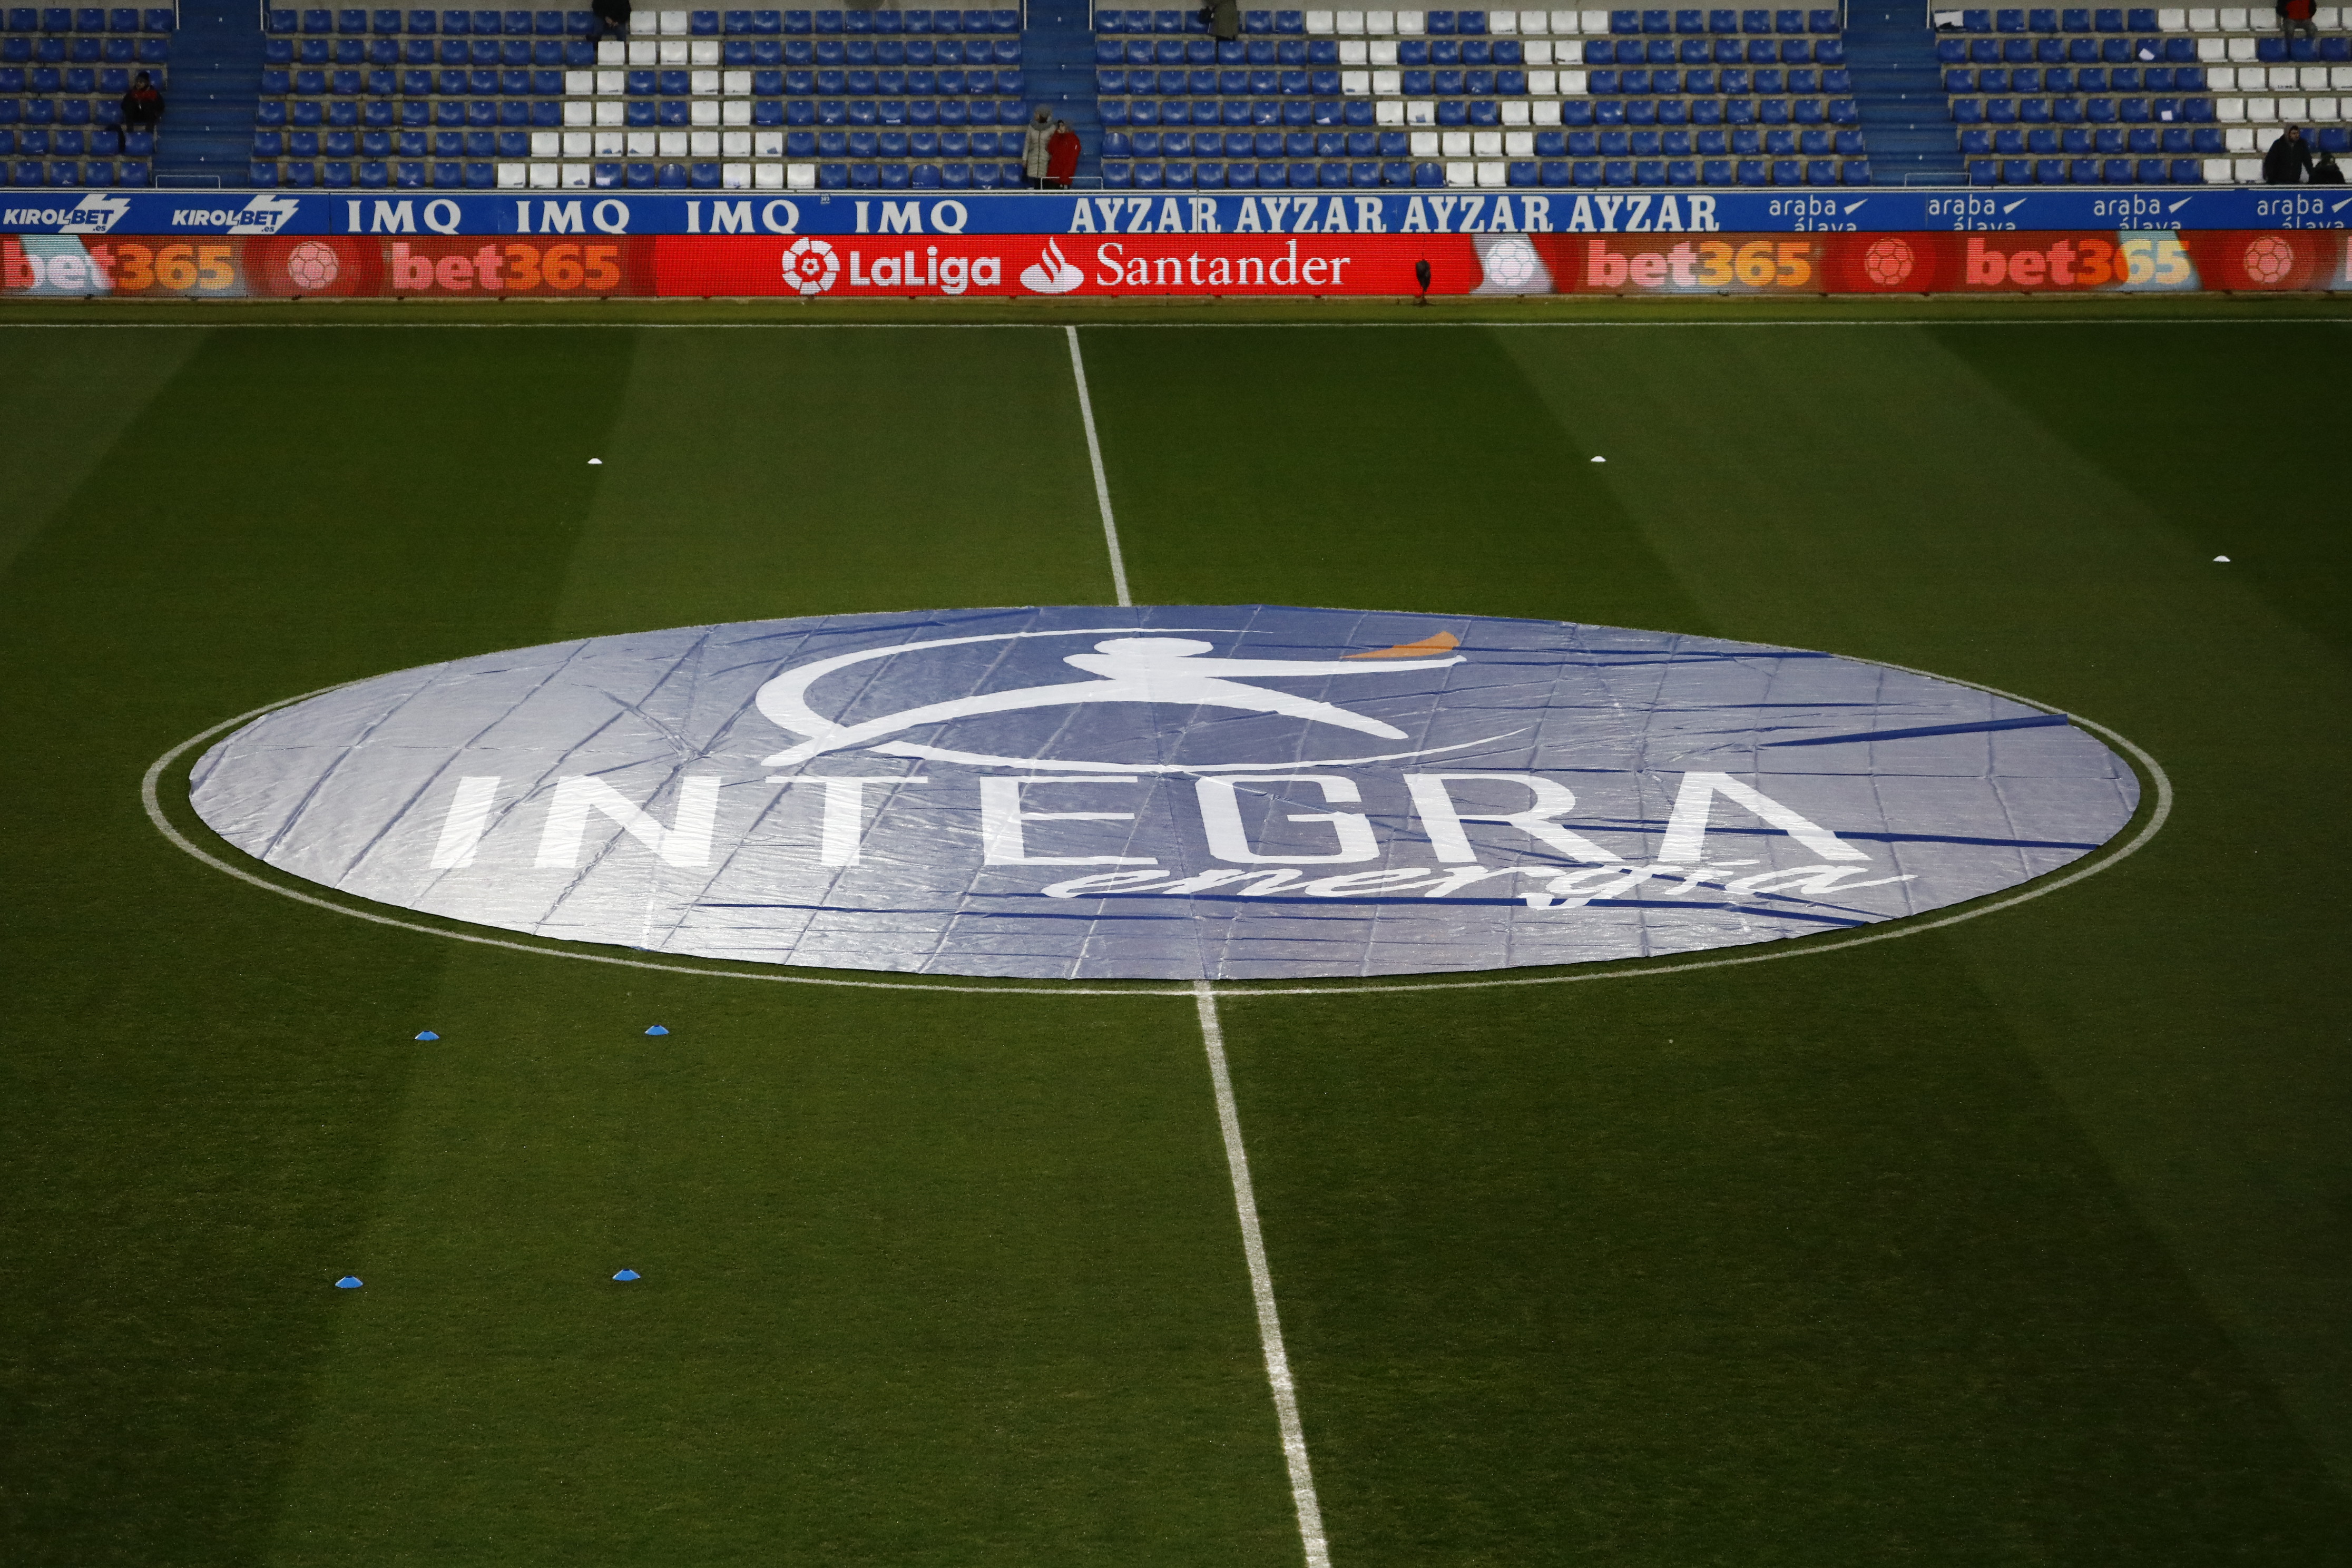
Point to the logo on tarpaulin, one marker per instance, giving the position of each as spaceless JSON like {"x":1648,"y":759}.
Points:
{"x":1231,"y":791}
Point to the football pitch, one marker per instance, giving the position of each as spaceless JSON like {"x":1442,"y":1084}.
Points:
{"x":2024,"y":1239}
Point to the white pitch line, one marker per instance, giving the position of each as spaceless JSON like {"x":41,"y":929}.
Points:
{"x":1269,"y":1321}
{"x":1102,"y":485}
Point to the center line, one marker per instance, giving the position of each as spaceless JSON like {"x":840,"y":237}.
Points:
{"x":1269,"y":1322}
{"x":1102,"y":486}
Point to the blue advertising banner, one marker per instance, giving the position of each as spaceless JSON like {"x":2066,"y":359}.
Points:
{"x":1517,"y":211}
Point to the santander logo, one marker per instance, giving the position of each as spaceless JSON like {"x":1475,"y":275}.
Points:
{"x":1052,"y":273}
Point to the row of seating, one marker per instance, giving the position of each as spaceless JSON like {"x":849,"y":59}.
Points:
{"x":1468,"y":23}
{"x":2244,"y":112}
{"x":582,"y":145}
{"x":843,"y":54}
{"x":51,"y":81}
{"x":2278,"y":79}
{"x":2090,"y":172}
{"x":305,"y":113}
{"x":1415,"y":54}
{"x":414,"y":175}
{"x":1706,"y":81}
{"x":2104,"y":19}
{"x":1657,"y":52}
{"x":2068,"y":79}
{"x":2173,"y":50}
{"x":105,"y":112}
{"x":75,"y":141}
{"x":1491,"y":174}
{"x":324,"y":52}
{"x":1421,"y":82}
{"x":73,"y":172}
{"x":89,"y":19}
{"x":1575,"y":112}
{"x":1392,"y":144}
{"x":2176,"y":141}
{"x":2134,"y":20}
{"x":1326,"y":83}
{"x":2030,"y":110}
{"x":673,"y":24}
{"x":18,"y":49}
{"x":385,"y":82}
{"x":2329,"y":18}
{"x":2081,"y":111}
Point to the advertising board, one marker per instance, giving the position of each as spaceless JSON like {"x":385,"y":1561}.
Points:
{"x":1174,"y":264}
{"x":1398,"y":211}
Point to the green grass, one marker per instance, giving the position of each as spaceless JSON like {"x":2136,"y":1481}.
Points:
{"x":2023,"y":1241}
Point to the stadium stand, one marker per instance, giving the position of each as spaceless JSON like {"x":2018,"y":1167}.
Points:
{"x":1487,"y":98}
{"x":63,"y":72}
{"x":691,"y":101}
{"x":2137,"y":96}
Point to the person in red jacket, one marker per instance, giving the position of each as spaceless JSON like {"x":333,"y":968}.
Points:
{"x":2297,"y":15}
{"x":1061,"y":155}
{"x":142,"y":106}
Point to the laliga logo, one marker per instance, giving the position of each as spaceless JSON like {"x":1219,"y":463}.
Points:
{"x":97,"y":215}
{"x":1179,"y":671}
{"x":1052,"y":274}
{"x":811,"y":265}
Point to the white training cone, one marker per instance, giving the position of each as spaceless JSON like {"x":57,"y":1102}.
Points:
{"x":2223,"y":558}
{"x":595,"y":462}
{"x":1600,"y":460}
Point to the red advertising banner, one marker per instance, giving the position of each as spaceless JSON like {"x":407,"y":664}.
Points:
{"x":321,"y":267}
{"x":2127,"y":261}
{"x":944,"y":266}
{"x":1089,"y":266}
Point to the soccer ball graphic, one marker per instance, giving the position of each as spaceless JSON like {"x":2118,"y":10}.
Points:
{"x":1888,"y":261}
{"x":1509,"y":262}
{"x":312,"y":266}
{"x":2269,"y":258}
{"x":811,"y":265}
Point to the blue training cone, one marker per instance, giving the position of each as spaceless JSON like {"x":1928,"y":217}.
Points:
{"x":348,"y":1282}
{"x":626,"y":1275}
{"x":428,"y":1035}
{"x":657,"y":1029}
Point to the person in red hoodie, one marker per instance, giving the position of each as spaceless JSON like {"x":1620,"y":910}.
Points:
{"x":142,"y":106}
{"x":2297,"y":15}
{"x":1061,"y":155}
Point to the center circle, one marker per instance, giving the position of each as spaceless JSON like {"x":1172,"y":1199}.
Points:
{"x":1164,"y":792}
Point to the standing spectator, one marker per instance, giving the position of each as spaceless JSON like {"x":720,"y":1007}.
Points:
{"x":612,"y":16}
{"x":2296,"y":15}
{"x":142,"y":106}
{"x":1225,"y":19}
{"x":1036,"y":152}
{"x":2289,"y":159}
{"x":1061,"y":155}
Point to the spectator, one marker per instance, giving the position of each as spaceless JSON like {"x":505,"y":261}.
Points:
{"x":2297,"y":15}
{"x":1061,"y":155}
{"x":2326,"y":173}
{"x":142,"y":106}
{"x":612,"y":16}
{"x":2289,"y":159}
{"x":1036,"y":155}
{"x":1225,"y":19}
